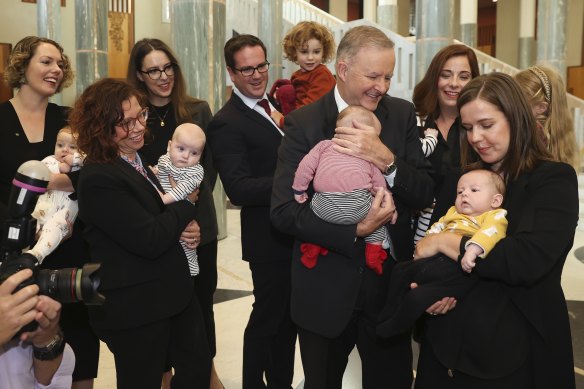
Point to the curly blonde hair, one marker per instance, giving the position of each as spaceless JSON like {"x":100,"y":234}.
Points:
{"x":20,"y":57}
{"x":301,"y":33}
{"x":541,"y":84}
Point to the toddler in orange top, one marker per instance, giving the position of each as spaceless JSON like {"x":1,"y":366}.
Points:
{"x":310,"y":45}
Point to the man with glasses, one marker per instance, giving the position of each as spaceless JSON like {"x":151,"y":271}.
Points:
{"x":336,"y":303}
{"x":244,"y":138}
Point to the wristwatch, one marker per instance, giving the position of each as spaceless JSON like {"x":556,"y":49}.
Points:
{"x":52,"y":350}
{"x":389,"y":169}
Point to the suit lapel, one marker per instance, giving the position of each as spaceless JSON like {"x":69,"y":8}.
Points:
{"x":331,"y":110}
{"x":388,"y":137}
{"x":253,"y":114}
{"x":138,"y":181}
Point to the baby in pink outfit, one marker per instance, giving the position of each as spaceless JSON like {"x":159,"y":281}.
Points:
{"x":344,"y":186}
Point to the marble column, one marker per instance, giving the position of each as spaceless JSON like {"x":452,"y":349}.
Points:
{"x":197,"y":38}
{"x":370,"y":10}
{"x":551,"y":34}
{"x":468,"y":22}
{"x":49,"y":19}
{"x":433,"y":31}
{"x":270,"y":32}
{"x":526,"y":34}
{"x":91,"y":42}
{"x":49,"y":26}
{"x":387,"y":14}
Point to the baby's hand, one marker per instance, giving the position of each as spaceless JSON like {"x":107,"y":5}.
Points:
{"x":69,"y":159}
{"x":431,"y":132}
{"x":301,"y":198}
{"x":469,"y":258}
{"x":154,"y":170}
{"x":64,"y":167}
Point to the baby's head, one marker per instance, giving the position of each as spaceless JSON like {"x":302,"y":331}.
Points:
{"x":479,"y":191}
{"x":360,"y":114}
{"x":186,"y":146}
{"x":309,"y":44}
{"x":66,"y":144}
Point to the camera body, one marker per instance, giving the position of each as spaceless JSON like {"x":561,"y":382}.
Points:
{"x":65,"y":285}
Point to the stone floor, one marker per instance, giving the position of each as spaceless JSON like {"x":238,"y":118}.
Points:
{"x":234,"y":300}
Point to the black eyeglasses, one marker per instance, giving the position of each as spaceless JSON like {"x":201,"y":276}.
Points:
{"x":156,"y":73}
{"x":128,"y":124}
{"x":250,"y":70}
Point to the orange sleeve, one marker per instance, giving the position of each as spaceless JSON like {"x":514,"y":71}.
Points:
{"x":321,"y":83}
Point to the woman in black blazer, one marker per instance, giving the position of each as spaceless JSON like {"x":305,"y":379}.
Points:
{"x":150,"y":313}
{"x":512,"y":329}
{"x":155,"y":70}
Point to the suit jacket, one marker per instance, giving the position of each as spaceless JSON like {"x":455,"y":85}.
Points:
{"x":244,"y":145}
{"x":323,"y":298}
{"x":517,"y":310}
{"x":144,"y":272}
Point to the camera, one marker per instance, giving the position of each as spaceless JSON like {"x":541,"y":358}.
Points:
{"x":68,"y":285}
{"x":65,"y":285}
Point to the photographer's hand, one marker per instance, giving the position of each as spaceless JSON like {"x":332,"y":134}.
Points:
{"x":18,"y":309}
{"x":48,"y":314}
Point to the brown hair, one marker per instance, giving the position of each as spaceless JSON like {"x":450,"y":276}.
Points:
{"x":20,"y":57}
{"x":544,"y":85}
{"x":237,"y":43}
{"x":301,"y":33}
{"x":425,"y":97}
{"x":494,"y":178}
{"x":95,"y":115}
{"x":526,"y":149}
{"x":359,"y":37}
{"x":178,"y":97}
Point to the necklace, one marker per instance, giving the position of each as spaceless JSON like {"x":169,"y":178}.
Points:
{"x":159,"y":117}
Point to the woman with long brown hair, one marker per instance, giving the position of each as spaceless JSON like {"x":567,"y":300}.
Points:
{"x":155,"y":70}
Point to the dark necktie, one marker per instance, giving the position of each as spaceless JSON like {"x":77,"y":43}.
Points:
{"x":266,"y":106}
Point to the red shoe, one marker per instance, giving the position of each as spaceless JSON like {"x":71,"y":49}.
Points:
{"x":375,"y":255}
{"x":310,"y":253}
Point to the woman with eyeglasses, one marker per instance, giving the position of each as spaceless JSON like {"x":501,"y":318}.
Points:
{"x":151,"y":314}
{"x":38,"y":68}
{"x":154,"y":70}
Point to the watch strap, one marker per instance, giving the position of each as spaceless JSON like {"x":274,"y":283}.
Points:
{"x":52,"y":350}
{"x":390,"y":169}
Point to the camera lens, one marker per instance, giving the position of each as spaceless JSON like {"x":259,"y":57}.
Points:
{"x":71,"y":284}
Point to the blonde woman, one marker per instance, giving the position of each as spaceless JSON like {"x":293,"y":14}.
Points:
{"x":546,"y":93}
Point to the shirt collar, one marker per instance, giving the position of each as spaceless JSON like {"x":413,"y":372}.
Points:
{"x":250,"y":102}
{"x":341,"y":104}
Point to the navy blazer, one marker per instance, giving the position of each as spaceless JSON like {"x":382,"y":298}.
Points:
{"x":323,"y":298}
{"x":144,"y":273}
{"x":244,"y":146}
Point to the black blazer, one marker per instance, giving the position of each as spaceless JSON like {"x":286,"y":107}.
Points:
{"x":518,"y":310}
{"x":244,"y":147}
{"x":144,"y":273}
{"x":323,"y":298}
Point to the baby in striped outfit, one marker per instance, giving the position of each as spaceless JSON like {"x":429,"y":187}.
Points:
{"x":181,"y":162}
{"x":344,"y":186}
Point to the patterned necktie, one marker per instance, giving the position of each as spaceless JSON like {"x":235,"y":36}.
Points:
{"x":266,"y":106}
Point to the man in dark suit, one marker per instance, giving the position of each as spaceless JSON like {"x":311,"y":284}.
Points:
{"x":335,"y":304}
{"x":244,"y":140}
